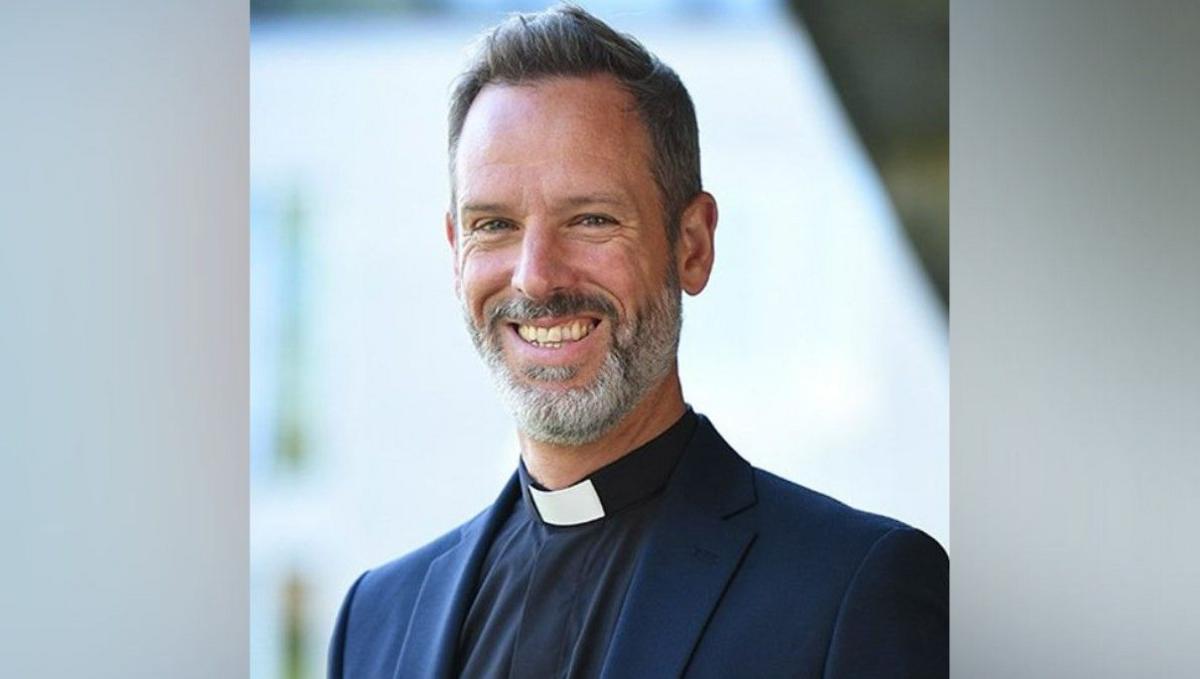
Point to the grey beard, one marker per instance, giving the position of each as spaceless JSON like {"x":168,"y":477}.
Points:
{"x":641,"y":354}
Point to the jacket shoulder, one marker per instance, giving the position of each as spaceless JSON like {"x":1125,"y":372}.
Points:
{"x":400,"y":579}
{"x":802,"y":508}
{"x":376,"y":611}
{"x":797,"y":524}
{"x":826,"y":580}
{"x":407,"y":572}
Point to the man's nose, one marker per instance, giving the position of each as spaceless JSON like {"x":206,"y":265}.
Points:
{"x":543,"y":268}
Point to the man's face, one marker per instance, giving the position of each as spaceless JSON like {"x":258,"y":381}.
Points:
{"x":562,"y":262}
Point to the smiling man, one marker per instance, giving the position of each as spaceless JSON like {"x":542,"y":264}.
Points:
{"x":632,"y":541}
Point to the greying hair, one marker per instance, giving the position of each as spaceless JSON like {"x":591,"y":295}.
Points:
{"x":567,"y":41}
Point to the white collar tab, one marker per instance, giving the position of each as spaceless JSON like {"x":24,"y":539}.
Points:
{"x":570,"y":506}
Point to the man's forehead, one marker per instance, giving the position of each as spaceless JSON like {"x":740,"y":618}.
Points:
{"x":552,"y":114}
{"x":567,"y":136}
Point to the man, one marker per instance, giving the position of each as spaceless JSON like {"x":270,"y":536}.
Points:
{"x":632,"y":541}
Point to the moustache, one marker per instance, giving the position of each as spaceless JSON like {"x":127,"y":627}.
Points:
{"x":558,"y":304}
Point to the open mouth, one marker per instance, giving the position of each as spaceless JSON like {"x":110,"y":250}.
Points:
{"x":555,"y":336}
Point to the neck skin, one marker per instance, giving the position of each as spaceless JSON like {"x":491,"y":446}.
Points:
{"x":557,"y":467}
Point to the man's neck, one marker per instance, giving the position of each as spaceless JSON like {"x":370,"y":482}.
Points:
{"x":557,"y":467}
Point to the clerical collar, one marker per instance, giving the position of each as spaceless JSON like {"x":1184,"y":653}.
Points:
{"x":623,"y":482}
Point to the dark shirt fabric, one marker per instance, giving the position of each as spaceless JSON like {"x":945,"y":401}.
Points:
{"x":549,"y":596}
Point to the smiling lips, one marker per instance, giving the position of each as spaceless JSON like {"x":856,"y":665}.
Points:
{"x":555,"y":336}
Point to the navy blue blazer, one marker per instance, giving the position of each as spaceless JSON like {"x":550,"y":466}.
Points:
{"x":743,"y":574}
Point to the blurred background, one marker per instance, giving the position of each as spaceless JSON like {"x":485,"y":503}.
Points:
{"x":819,"y":349}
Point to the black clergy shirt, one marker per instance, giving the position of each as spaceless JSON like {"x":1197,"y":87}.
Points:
{"x":549,"y":595}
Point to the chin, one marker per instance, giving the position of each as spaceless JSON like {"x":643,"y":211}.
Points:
{"x":557,"y":378}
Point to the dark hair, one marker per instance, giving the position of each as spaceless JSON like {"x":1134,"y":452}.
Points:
{"x":565,"y":40}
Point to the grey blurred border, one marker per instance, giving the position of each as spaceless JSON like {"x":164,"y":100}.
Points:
{"x":1075,"y":334}
{"x":123,"y":339}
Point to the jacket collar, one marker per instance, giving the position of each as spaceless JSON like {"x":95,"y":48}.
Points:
{"x":692,"y":550}
{"x":432,"y":638}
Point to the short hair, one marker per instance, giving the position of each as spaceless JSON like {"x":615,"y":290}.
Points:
{"x":565,"y":40}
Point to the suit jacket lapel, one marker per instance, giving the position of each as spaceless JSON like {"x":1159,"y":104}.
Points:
{"x":432,"y":638}
{"x":691,"y":553}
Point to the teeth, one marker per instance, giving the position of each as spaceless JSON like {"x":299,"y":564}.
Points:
{"x":554,"y":337}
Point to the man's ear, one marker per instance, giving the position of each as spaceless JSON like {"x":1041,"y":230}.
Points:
{"x":452,"y":240}
{"x":694,"y":250}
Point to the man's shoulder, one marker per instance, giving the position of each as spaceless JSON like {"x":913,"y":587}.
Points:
{"x":379,"y":606}
{"x":408,"y":571}
{"x":780,"y":498}
{"x":865,"y":581}
{"x":803,"y":522}
{"x":798,"y":529}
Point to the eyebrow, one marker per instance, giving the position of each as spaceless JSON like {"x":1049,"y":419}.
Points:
{"x":596,"y":199}
{"x":484,"y":207}
{"x":616,"y":199}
